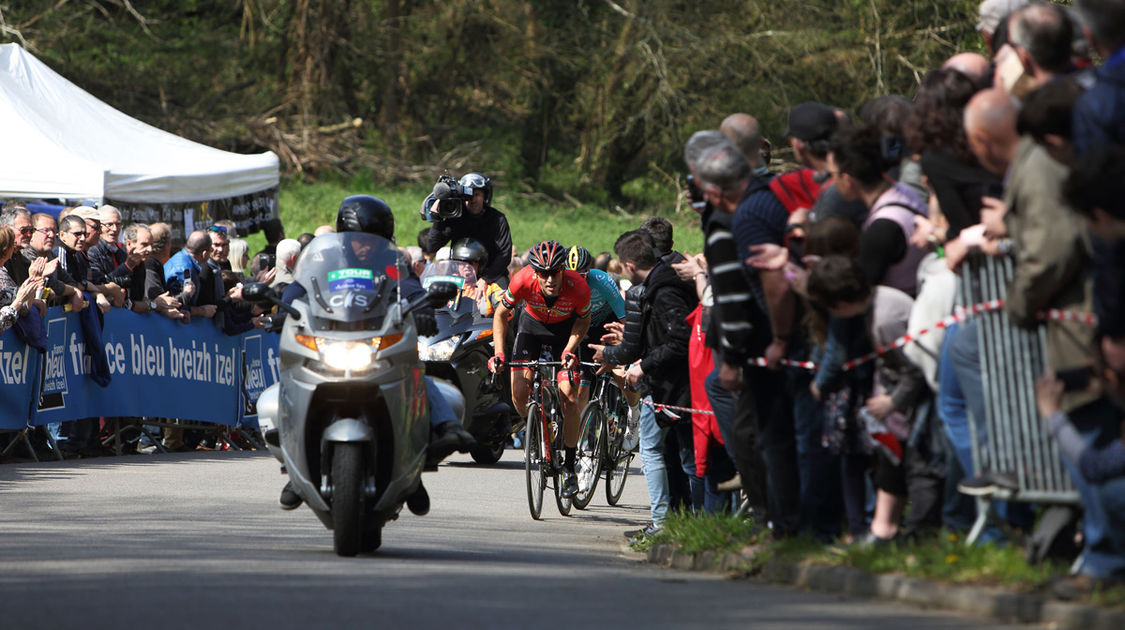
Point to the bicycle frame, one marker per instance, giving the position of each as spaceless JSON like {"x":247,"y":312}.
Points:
{"x":536,"y":396}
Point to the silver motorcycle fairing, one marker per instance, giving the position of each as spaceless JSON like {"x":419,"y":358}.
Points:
{"x":348,"y":430}
{"x":394,"y":383}
{"x":400,"y":386}
{"x":267,"y":406}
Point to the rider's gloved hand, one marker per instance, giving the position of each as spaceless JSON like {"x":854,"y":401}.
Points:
{"x":425,"y":323}
{"x":569,"y":360}
{"x":496,"y":363}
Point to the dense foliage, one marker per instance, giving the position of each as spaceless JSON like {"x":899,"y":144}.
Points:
{"x":592,"y":98}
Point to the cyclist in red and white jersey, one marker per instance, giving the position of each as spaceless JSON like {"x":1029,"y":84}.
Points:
{"x":556,"y":315}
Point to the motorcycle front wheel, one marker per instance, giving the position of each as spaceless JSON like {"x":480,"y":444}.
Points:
{"x":347,"y":498}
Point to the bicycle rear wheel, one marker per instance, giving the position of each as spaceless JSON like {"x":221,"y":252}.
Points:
{"x":588,"y":463}
{"x":558,"y":452}
{"x":533,"y":460}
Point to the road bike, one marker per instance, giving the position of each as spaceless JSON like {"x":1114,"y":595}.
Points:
{"x":543,"y":450}
{"x":601,"y":436}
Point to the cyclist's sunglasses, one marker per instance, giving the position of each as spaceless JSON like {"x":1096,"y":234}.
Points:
{"x":548,"y":274}
{"x":221,"y":229}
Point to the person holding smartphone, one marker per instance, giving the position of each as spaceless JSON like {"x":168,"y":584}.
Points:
{"x":182,"y":275}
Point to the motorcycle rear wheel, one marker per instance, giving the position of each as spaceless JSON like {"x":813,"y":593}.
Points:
{"x":533,"y":461}
{"x":372,"y":539}
{"x":347,"y":498}
{"x":487,"y":454}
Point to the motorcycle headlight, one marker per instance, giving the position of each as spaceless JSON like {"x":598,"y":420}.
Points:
{"x":440,"y":351}
{"x":347,"y":356}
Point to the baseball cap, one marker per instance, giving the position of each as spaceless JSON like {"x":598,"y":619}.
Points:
{"x":992,"y":11}
{"x":811,"y":121}
{"x":86,"y":212}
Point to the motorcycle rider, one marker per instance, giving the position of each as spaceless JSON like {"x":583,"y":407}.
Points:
{"x":556,"y":315}
{"x":481,"y":222}
{"x":364,"y":213}
{"x":471,"y":251}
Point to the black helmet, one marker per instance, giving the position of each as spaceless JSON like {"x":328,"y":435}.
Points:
{"x":475,"y":181}
{"x":578,"y":259}
{"x":364,"y":213}
{"x":469,"y":250}
{"x":547,"y":256}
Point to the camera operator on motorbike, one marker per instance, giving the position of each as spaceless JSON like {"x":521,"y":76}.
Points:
{"x":471,"y":251}
{"x":364,"y":213}
{"x":556,"y":316}
{"x":464,"y":209}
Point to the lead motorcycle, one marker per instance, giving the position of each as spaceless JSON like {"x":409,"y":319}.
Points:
{"x":348,"y":418}
{"x":459,"y":353}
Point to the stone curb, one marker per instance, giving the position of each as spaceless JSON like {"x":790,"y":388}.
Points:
{"x":999,"y":604}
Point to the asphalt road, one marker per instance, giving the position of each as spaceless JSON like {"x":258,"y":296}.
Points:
{"x":196,"y":541}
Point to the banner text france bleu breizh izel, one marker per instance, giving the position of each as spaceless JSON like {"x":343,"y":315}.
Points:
{"x":154,"y":367}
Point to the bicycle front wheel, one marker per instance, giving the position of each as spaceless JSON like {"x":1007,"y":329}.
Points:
{"x":533,"y":460}
{"x":591,"y":433}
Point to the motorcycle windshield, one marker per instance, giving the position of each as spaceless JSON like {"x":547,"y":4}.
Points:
{"x":455,"y":271}
{"x":459,"y":273}
{"x":350,"y":276}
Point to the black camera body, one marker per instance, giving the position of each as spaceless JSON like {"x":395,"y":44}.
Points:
{"x":450,"y":198}
{"x":266,"y":261}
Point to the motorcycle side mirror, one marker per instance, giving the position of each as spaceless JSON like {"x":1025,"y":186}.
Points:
{"x":439,"y":293}
{"x":259,"y":292}
{"x":256,"y":292}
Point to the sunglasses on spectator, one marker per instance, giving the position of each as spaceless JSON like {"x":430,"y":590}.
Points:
{"x":47,"y":231}
{"x":221,"y":229}
{"x":111,"y":224}
{"x":27,"y":230}
{"x":82,"y":233}
{"x":548,"y":274}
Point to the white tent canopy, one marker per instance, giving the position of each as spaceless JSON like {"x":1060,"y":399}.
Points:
{"x":62,"y":142}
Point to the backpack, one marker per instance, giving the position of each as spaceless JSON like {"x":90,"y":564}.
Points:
{"x":796,"y":189}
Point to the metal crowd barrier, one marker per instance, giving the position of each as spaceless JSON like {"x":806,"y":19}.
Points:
{"x":1012,"y":358}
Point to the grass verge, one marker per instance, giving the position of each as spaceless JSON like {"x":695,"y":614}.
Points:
{"x":708,"y":532}
{"x":943,"y":557}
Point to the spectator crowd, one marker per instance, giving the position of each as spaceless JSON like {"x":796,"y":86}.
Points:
{"x":84,"y":258}
{"x":1018,"y":155}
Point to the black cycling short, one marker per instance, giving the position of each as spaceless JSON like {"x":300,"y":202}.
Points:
{"x":533,"y":336}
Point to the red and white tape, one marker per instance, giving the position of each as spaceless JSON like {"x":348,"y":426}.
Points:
{"x":960,"y":314}
{"x":668,"y":409}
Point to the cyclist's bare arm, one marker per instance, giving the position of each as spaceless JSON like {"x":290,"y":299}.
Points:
{"x":499,"y":328}
{"x":578,"y":333}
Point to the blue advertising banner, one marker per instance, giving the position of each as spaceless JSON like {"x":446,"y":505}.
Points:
{"x":259,"y":370}
{"x":157,"y":368}
{"x":19,"y":372}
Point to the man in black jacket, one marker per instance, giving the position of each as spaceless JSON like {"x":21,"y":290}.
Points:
{"x":730,"y":330}
{"x":666,"y":301}
{"x":765,"y":405}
